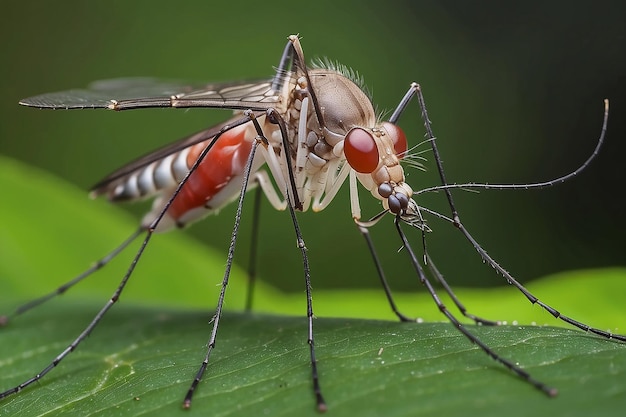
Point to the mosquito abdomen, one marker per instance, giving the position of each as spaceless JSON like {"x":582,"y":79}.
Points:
{"x":213,"y":184}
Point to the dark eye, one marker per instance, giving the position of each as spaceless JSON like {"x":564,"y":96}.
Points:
{"x":385,"y":189}
{"x":361,"y":151}
{"x":398,"y":138}
{"x":398,"y":203}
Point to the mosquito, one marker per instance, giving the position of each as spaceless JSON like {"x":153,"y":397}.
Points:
{"x":298,"y":137}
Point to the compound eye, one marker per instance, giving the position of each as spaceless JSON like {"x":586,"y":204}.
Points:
{"x":361,"y":150}
{"x":397,"y":137}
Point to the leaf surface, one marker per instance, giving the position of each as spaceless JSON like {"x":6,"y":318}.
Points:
{"x":142,"y":357}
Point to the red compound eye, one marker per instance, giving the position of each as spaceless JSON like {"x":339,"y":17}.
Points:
{"x":398,"y":138}
{"x":361,"y":151}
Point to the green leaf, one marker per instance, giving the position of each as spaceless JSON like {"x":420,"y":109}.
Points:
{"x":141,"y":361}
{"x":142,"y":357}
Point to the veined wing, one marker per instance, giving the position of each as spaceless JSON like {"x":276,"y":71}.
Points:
{"x":134,"y":93}
{"x":111,"y":181}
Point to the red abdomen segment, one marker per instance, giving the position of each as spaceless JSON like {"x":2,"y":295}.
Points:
{"x":215,"y":182}
{"x":224,"y":161}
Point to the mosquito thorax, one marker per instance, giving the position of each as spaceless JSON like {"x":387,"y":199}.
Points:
{"x":343,"y":104}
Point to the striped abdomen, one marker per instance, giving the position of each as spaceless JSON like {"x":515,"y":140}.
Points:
{"x":215,"y":182}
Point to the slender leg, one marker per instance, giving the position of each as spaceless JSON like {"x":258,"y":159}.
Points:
{"x":534,"y":300}
{"x":99,"y":264}
{"x":254,"y":241}
{"x":83,"y":335}
{"x":381,"y":274}
{"x":293,"y":205}
{"x":415,"y":91}
{"x":444,"y":310}
{"x":317,"y":391}
{"x":229,"y":262}
{"x":455,"y":299}
{"x":456,"y":220}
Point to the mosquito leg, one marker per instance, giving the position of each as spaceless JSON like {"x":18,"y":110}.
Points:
{"x":293,"y":205}
{"x":254,"y":240}
{"x":229,"y":263}
{"x":300,"y":63}
{"x":321,"y":404}
{"x":427,"y":260}
{"x":83,"y":335}
{"x":282,"y":71}
{"x":63,"y":288}
{"x":472,"y":338}
{"x":415,"y":89}
{"x":381,"y":274}
{"x":454,"y":298}
{"x":534,"y":300}
{"x":456,"y":221}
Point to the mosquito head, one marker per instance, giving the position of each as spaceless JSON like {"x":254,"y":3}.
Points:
{"x":375,"y":155}
{"x":349,"y":126}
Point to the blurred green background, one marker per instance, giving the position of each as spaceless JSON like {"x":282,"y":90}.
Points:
{"x":514,"y":90}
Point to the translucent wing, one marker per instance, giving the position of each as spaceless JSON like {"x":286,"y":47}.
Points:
{"x":133,"y":93}
{"x":120,"y":175}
